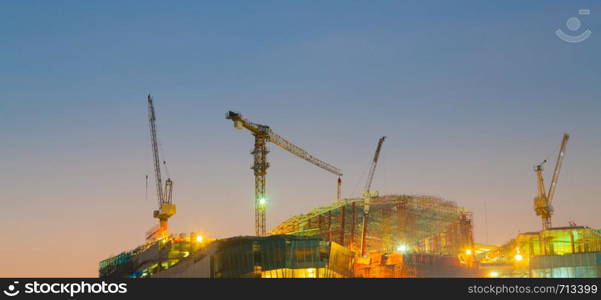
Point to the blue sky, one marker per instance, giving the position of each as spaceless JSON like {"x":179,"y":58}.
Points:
{"x":471,"y":94}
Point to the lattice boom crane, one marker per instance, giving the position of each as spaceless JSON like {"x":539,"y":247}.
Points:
{"x":264,"y":134}
{"x":166,"y":208}
{"x":368,"y":194}
{"x":543,"y":201}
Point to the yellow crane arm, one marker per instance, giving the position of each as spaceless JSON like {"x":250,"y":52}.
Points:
{"x":258,"y":129}
{"x":296,"y":150}
{"x":374,"y":163}
{"x":368,"y":194}
{"x":560,"y":156}
{"x":155,"y":151}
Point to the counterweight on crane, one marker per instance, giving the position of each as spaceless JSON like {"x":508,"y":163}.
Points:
{"x":264,"y":134}
{"x":368,"y":194}
{"x":166,"y":208}
{"x":543,"y":201}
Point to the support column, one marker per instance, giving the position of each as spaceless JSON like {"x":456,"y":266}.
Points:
{"x":260,"y":170}
{"x":342,"y":224}
{"x":329,"y":225}
{"x":353,"y":225}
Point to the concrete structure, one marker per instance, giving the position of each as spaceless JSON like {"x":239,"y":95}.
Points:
{"x":278,"y":256}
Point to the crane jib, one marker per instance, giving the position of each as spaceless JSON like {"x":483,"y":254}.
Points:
{"x":296,"y":150}
{"x":155,"y":151}
{"x":560,"y":157}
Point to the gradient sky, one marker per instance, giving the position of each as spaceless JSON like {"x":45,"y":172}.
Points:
{"x":471,"y":94}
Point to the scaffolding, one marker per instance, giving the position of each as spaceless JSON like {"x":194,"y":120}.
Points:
{"x":424,"y":224}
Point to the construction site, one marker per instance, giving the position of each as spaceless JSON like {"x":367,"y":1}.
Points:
{"x":367,"y":236}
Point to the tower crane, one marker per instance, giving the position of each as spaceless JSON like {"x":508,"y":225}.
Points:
{"x":264,"y":134}
{"x":368,"y":193}
{"x":543,"y":201}
{"x":166,"y":208}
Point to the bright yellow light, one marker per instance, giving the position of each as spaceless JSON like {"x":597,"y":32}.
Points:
{"x":199,"y":239}
{"x":468,"y":251}
{"x":262,"y":201}
{"x":402,"y":248}
{"x":494,"y":274}
{"x":518,"y":257}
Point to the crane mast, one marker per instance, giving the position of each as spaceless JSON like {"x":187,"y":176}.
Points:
{"x":540,"y":180}
{"x":168,"y":195}
{"x":543,"y":201}
{"x":368,"y":194}
{"x":164,"y":197}
{"x":264,"y":134}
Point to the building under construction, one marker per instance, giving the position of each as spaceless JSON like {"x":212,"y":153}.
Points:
{"x":406,"y":236}
{"x":403,"y":236}
{"x":391,"y":236}
{"x":558,"y":252}
{"x":424,"y":224}
{"x":278,"y":256}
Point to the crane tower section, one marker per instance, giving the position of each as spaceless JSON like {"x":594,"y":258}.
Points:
{"x":263,"y":134}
